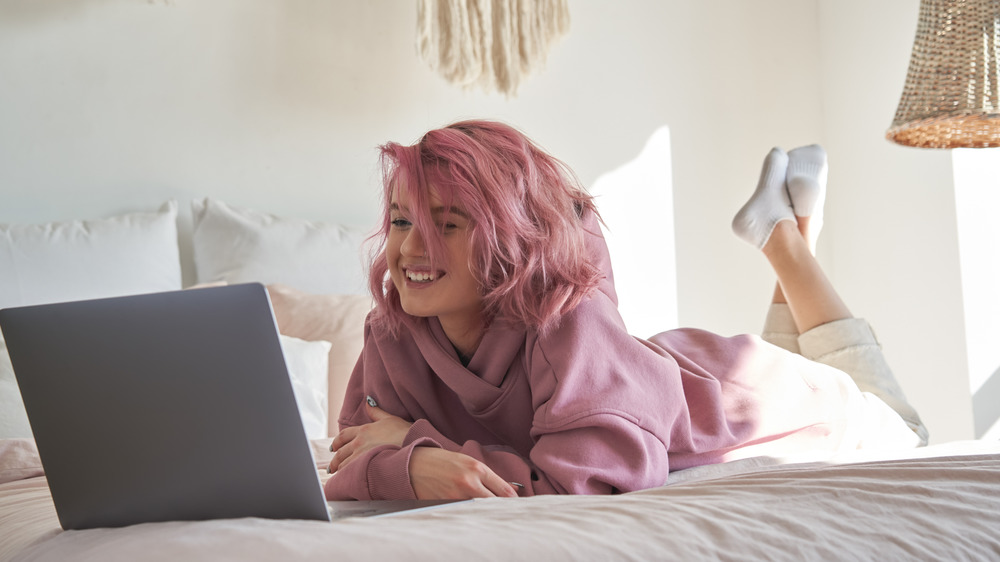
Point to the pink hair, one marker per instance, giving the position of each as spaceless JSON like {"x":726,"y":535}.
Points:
{"x":528,"y":243}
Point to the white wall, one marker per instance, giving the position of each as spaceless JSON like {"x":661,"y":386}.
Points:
{"x":112,"y":105}
{"x":892,"y":249}
{"x":977,"y":198}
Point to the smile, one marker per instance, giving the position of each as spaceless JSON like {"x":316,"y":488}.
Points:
{"x":421,"y":277}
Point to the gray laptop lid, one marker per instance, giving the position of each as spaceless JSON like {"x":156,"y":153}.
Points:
{"x":166,"y":406}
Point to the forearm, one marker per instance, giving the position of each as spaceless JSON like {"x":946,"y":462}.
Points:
{"x":593,"y":459}
{"x":583,"y":460}
{"x":380,"y":473}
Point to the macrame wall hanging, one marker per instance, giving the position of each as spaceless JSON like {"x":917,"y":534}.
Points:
{"x":493,"y":44}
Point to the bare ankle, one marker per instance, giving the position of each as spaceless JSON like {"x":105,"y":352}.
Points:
{"x":784,"y":236}
{"x":804,"y":224}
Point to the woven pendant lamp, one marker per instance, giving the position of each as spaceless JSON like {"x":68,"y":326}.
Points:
{"x":950,"y":96}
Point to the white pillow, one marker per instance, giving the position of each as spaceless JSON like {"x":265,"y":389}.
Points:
{"x":307,"y":369}
{"x":74,"y":260}
{"x":13,"y":419}
{"x":241,"y":245}
{"x":83,"y":259}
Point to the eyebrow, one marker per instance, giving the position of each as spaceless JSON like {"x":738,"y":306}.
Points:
{"x":436,"y":210}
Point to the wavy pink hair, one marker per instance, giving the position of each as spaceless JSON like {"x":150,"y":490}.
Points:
{"x":528,"y":243}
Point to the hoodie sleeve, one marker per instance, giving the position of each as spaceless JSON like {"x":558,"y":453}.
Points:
{"x":602,"y":453}
{"x":599,"y":453}
{"x":380,"y":474}
{"x":605,"y":408}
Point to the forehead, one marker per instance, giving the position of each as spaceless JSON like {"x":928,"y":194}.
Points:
{"x":400,"y":201}
{"x":401,"y":197}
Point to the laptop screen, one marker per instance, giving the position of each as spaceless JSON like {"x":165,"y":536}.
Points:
{"x":166,"y":406}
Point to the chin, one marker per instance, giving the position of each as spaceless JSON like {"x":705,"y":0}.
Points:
{"x":416,"y":311}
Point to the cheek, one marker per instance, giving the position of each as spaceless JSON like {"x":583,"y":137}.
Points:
{"x":391,"y":258}
{"x":392,"y":250}
{"x":470,"y":281}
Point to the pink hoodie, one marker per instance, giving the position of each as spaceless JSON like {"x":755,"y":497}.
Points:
{"x":587,"y":408}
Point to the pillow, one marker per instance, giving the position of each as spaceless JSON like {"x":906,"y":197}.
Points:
{"x":63,"y":261}
{"x":82,"y":259}
{"x":338,"y":319}
{"x":13,"y":419}
{"x":307,"y":368}
{"x":242,"y":245}
{"x":19,"y":460}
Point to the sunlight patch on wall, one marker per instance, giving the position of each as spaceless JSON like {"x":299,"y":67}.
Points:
{"x":977,"y":203}
{"x":636,"y":202}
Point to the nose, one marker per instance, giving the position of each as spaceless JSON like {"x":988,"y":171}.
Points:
{"x":413,"y":244}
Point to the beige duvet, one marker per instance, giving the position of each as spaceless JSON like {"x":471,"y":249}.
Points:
{"x":938,"y":503}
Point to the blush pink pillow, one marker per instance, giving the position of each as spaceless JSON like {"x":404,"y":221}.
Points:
{"x":338,"y":319}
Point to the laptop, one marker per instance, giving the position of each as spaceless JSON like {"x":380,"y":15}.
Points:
{"x":165,"y":406}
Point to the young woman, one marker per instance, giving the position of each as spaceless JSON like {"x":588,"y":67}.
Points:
{"x":496,"y":364}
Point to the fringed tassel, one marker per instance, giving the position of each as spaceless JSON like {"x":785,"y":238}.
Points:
{"x":492,"y":44}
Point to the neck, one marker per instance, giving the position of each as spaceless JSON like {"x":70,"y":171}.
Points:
{"x":464,"y":337}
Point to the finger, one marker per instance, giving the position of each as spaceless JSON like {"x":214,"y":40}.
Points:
{"x":337,"y":464}
{"x":483,"y":492}
{"x":376,"y":413}
{"x":343,"y":438}
{"x":341,"y":459}
{"x":498,"y":486}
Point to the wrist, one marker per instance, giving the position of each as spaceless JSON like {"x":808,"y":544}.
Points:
{"x":422,"y":429}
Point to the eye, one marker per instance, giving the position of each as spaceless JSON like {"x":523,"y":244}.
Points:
{"x":400,"y":223}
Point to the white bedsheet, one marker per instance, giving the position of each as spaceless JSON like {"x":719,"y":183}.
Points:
{"x":937,"y":503}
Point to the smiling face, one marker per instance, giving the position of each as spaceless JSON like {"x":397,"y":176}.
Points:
{"x":449,"y":290}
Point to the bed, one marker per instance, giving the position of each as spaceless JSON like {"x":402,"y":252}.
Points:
{"x":937,"y":503}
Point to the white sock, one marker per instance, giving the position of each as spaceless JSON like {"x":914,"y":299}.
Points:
{"x":769,"y":203}
{"x":806,"y":178}
{"x":807,"y":171}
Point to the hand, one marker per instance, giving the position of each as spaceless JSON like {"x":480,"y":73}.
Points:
{"x":441,"y":474}
{"x":385,"y":429}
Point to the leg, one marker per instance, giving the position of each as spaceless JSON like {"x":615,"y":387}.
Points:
{"x":805,"y":182}
{"x":792,"y":186}
{"x":802,"y":283}
{"x":829,"y":332}
{"x":780,"y":329}
{"x":850,"y":345}
{"x":779,"y":324}
{"x":809,"y":234}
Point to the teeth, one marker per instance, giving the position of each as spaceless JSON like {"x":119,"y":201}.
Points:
{"x":420,"y":277}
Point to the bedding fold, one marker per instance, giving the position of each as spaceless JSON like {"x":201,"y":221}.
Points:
{"x":941,"y":502}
